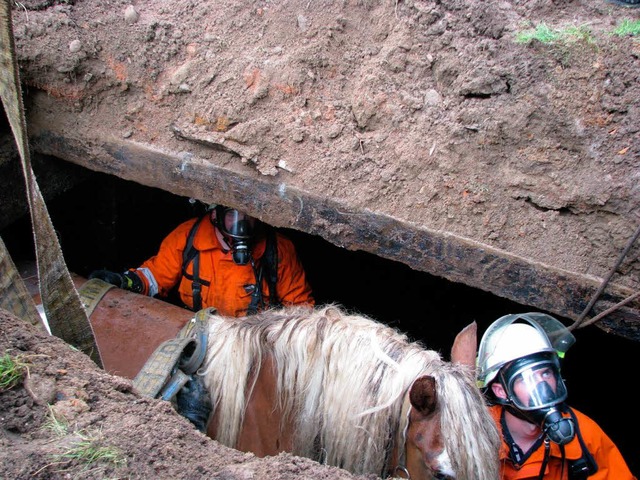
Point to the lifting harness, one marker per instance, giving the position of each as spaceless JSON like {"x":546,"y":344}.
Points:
{"x":171,"y":365}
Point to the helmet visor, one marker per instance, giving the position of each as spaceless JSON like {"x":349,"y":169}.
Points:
{"x":535,"y":385}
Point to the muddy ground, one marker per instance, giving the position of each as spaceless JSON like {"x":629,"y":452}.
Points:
{"x":439,"y":113}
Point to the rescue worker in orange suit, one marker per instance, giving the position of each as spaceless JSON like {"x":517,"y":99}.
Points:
{"x":225,"y":259}
{"x":543,"y":438}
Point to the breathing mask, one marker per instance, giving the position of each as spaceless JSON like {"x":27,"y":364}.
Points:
{"x":536,"y":392}
{"x":238,"y":231}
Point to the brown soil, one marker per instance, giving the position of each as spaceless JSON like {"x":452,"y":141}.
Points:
{"x":426,"y":111}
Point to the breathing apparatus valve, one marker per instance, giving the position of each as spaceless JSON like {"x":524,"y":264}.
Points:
{"x":559,"y":429}
{"x":241,"y":252}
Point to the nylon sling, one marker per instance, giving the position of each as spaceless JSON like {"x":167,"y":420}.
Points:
{"x":65,"y":315}
{"x":169,"y":366}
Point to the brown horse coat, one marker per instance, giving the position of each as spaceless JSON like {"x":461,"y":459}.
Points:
{"x":347,"y":391}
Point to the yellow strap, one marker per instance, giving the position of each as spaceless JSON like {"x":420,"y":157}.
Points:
{"x":14,"y":295}
{"x":65,"y":315}
{"x":92,"y":292}
{"x":158,"y":368}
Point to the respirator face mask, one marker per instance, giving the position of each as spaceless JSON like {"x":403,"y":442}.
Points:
{"x":536,"y":390}
{"x":237,"y":229}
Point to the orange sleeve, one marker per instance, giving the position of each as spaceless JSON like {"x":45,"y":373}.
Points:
{"x":165,"y":268}
{"x":293,"y":288}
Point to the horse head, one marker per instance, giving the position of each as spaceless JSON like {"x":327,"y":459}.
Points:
{"x":425,"y":455}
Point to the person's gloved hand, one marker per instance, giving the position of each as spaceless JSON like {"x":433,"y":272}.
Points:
{"x":127,"y":280}
{"x":108,"y":276}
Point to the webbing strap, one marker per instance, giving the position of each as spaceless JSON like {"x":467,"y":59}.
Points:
{"x":196,"y":286}
{"x":158,"y":368}
{"x":271,"y":267}
{"x":65,"y":315}
{"x":159,"y":376}
{"x":14,"y":295}
{"x":91,"y":292}
{"x":190,"y":253}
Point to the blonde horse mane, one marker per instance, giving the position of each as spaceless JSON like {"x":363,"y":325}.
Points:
{"x":343,"y":377}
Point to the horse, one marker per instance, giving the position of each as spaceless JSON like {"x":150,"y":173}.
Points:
{"x":347,"y":391}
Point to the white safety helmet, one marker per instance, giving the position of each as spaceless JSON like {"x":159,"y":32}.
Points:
{"x":505,"y":340}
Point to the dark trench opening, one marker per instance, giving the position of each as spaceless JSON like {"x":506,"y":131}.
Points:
{"x":106,"y":222}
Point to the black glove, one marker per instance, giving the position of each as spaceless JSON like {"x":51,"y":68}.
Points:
{"x":193,"y":402}
{"x":110,"y":277}
{"x":127,"y":280}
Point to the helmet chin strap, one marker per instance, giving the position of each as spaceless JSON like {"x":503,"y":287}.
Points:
{"x":518,"y":413}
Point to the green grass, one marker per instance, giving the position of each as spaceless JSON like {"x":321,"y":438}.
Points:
{"x":627,"y":27}
{"x":88,"y":451}
{"x":59,"y":426}
{"x":580,"y":33}
{"x":541,"y":33}
{"x":12,"y":371}
{"x":547,"y":35}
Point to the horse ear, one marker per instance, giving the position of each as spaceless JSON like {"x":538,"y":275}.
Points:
{"x":423,"y":395}
{"x":465,"y":347}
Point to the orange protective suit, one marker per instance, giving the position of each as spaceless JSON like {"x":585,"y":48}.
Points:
{"x":611,"y":465}
{"x":230,"y":285}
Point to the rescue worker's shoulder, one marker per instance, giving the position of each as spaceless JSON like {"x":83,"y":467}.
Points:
{"x":585,"y":421}
{"x":495,"y":411}
{"x":204,"y":237}
{"x":184,"y":228}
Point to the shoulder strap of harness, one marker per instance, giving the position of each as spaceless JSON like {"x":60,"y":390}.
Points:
{"x":268,"y":267}
{"x":586,"y":465}
{"x":189,"y":254}
{"x":271,"y":267}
